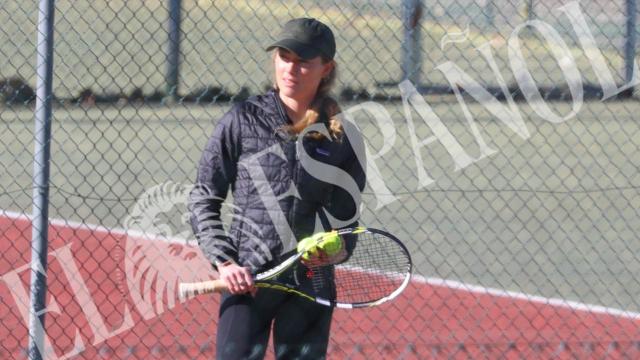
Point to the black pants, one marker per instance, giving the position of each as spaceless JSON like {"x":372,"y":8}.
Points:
{"x":300,"y":327}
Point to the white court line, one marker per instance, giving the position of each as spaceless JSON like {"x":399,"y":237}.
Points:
{"x":94,"y":227}
{"x":451,"y":284}
{"x":563,"y":303}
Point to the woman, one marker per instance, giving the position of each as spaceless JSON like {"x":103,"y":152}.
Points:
{"x":260,"y":148}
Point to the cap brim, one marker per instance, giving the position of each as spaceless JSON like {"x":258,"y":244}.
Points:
{"x":302,"y":50}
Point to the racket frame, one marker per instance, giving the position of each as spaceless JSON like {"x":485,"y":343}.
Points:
{"x":264,"y":279}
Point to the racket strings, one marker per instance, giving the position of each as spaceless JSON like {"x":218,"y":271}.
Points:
{"x":377,"y":267}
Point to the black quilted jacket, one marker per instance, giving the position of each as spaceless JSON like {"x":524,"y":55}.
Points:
{"x":249,"y":154}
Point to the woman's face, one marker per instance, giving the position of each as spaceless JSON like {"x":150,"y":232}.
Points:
{"x":298,"y":78}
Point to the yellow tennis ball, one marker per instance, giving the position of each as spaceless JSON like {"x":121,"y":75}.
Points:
{"x":331,"y":243}
{"x":308,"y":245}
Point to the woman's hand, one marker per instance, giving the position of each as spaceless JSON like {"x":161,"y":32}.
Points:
{"x":237,"y":278}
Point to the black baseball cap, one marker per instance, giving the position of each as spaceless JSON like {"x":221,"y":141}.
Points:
{"x":307,"y":38}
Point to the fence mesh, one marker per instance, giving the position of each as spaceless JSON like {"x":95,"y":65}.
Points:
{"x":527,"y":250}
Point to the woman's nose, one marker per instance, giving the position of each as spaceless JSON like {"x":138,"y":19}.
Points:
{"x":292,"y":67}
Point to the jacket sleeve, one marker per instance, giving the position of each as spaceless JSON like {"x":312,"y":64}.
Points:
{"x":352,"y":166}
{"x":343,"y":205}
{"x":216,"y":173}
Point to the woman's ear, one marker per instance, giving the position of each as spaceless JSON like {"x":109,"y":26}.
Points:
{"x":328,"y":67}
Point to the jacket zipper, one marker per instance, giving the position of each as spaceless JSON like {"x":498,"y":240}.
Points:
{"x":294,"y":174}
{"x":294,"y":178}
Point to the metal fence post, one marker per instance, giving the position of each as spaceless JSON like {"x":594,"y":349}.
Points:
{"x":530,"y":11}
{"x":173,"y":55}
{"x":630,"y":41}
{"x":489,"y":13}
{"x":41,"y":155}
{"x":411,"y":47}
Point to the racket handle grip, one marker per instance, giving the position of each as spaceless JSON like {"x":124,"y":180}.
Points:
{"x":186,"y":290}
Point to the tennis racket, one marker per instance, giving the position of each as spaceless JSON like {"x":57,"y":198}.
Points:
{"x":375,"y":269}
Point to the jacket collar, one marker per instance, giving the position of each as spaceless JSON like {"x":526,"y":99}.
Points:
{"x":279,"y":106}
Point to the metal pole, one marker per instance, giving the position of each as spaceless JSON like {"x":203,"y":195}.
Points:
{"x":411,"y":47}
{"x":530,"y":11}
{"x":41,"y":156}
{"x":173,"y":55}
{"x":630,"y":43}
{"x":489,"y":13}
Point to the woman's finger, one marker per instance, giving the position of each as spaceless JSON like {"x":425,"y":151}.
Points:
{"x":234,"y":283}
{"x":247,"y":278}
{"x":244,"y":280}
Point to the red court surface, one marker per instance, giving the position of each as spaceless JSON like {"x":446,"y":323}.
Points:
{"x":97,"y":312}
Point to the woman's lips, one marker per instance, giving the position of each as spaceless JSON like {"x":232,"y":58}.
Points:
{"x":290,"y":82}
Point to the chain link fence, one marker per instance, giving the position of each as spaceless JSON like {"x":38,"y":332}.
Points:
{"x":528,"y":248}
